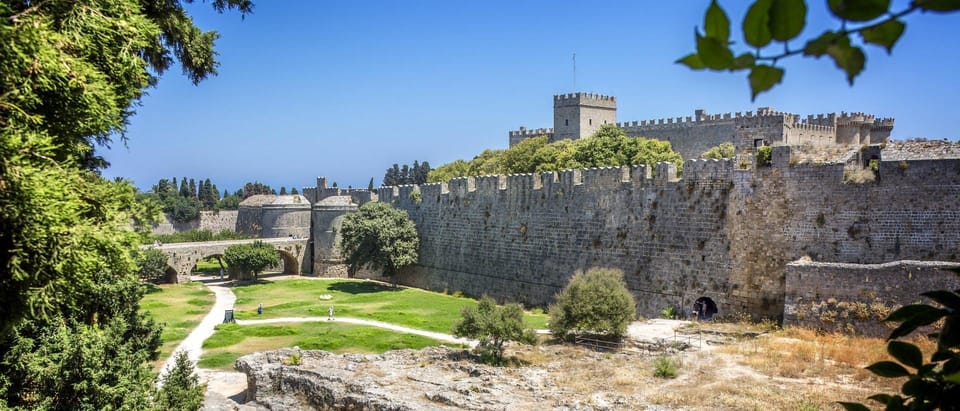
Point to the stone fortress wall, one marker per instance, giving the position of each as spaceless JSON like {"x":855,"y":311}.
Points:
{"x":855,"y":298}
{"x":691,"y":136}
{"x":214,"y":221}
{"x":719,"y":231}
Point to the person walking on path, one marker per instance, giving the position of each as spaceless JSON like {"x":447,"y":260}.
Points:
{"x":330,"y":313}
{"x":259,"y":308}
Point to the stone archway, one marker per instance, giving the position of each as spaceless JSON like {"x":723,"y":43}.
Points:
{"x":291,"y":265}
{"x":705,"y":308}
{"x":170,"y":276}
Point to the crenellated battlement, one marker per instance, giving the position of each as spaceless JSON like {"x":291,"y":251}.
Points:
{"x":814,"y":127}
{"x":854,"y":119}
{"x":584,"y":99}
{"x":534,"y":132}
{"x":593,"y":179}
{"x":885,"y":123}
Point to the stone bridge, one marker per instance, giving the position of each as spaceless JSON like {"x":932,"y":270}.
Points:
{"x":182,"y":257}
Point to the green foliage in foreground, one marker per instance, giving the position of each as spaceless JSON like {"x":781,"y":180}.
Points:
{"x":609,"y":146}
{"x":493,"y":326}
{"x":929,"y":385}
{"x":71,"y":74}
{"x":251,"y":258}
{"x":770,"y":25}
{"x":595,"y":302}
{"x":231,"y":341}
{"x":380,"y":237}
{"x":181,"y":388}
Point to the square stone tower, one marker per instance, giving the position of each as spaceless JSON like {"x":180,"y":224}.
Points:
{"x":578,"y":115}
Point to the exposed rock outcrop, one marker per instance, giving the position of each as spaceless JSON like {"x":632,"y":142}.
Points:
{"x":435,"y":378}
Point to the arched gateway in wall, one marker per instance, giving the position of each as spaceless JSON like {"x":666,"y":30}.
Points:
{"x":182,"y":257}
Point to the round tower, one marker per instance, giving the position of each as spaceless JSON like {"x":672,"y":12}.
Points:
{"x":286,"y":216}
{"x":328,"y":215}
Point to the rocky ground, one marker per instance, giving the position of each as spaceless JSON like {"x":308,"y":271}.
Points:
{"x":714,"y":372}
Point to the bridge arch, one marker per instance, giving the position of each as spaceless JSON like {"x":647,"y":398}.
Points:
{"x":182,"y":257}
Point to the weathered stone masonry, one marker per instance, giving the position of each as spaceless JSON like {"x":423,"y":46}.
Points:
{"x":721,"y":231}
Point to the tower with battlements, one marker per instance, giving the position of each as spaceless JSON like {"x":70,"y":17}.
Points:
{"x":578,"y":115}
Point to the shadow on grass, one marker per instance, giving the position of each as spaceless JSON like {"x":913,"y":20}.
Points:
{"x":151,"y":288}
{"x":356,"y":287}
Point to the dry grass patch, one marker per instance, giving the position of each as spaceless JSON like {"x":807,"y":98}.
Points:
{"x":831,"y":359}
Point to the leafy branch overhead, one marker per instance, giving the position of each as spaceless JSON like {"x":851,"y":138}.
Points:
{"x":771,"y":31}
{"x":934,"y":384}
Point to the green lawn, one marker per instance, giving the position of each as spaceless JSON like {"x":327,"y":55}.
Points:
{"x":230,"y":341}
{"x":180,"y":308}
{"x":208,"y":266}
{"x":409,"y":307}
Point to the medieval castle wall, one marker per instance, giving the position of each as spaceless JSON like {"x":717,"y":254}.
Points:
{"x":213,"y":221}
{"x":855,"y":298}
{"x":578,"y":115}
{"x":720,"y":231}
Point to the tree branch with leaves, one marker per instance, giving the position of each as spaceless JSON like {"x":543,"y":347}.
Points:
{"x":771,"y":31}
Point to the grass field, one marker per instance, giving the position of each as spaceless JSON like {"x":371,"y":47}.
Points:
{"x":208,"y":266}
{"x":409,"y":307}
{"x":180,"y":308}
{"x":230,"y":341}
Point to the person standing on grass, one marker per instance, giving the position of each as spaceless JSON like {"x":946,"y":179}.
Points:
{"x":259,"y":308}
{"x":330,"y":313}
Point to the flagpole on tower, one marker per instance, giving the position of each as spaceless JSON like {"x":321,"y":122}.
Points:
{"x":574,"y":72}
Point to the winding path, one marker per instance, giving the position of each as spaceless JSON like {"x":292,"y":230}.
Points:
{"x":193,"y":344}
{"x":225,"y":299}
{"x":360,"y":321}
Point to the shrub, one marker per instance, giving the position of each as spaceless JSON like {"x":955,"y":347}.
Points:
{"x":669,"y":313}
{"x":764,"y":156}
{"x":493,"y":326}
{"x":293,"y":359}
{"x":180,"y":387}
{"x":724,"y":150}
{"x":665,"y":367}
{"x":596,"y":302}
{"x":853,"y":174}
{"x":151,"y":264}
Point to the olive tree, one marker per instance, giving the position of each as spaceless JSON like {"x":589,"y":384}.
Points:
{"x":380,"y":237}
{"x":251,"y":258}
{"x":493,"y":326}
{"x":595,"y":302}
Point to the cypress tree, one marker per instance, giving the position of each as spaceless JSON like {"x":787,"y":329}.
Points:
{"x":184,"y":188}
{"x":283,"y":190}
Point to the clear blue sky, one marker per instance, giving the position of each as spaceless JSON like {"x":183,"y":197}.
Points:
{"x":344,"y":89}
